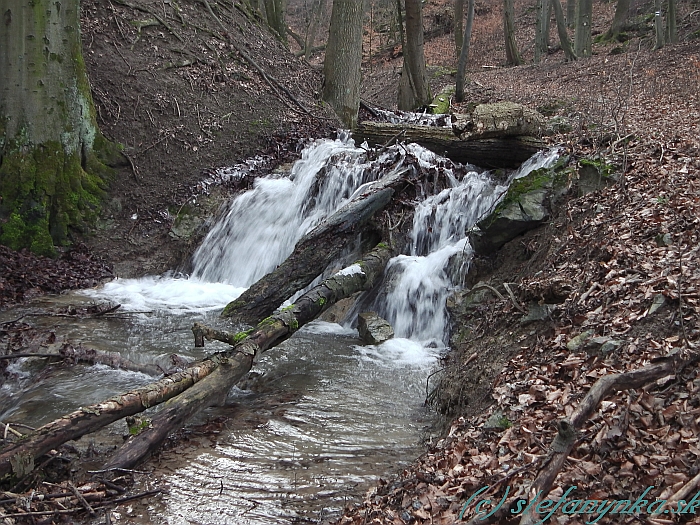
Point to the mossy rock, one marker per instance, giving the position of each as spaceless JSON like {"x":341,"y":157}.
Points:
{"x":593,"y":175}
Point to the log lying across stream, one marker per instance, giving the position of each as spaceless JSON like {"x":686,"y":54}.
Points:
{"x":224,"y":368}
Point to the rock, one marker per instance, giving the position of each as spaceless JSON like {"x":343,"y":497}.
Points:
{"x":593,"y":176}
{"x":579,"y":341}
{"x":537,"y":312}
{"x":656,"y":303}
{"x":373,"y":329}
{"x":497,"y":421}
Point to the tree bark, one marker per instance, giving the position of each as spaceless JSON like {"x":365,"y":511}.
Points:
{"x":311,"y":32}
{"x":512,"y":54}
{"x":563,"y":33}
{"x":464,"y":54}
{"x":268,"y":333}
{"x":541,"y":29}
{"x":52,"y":155}
{"x":276,"y":14}
{"x":341,"y":88}
{"x":313,"y":253}
{"x":584,"y":16}
{"x":414,"y":90}
{"x":570,"y":13}
{"x":621,"y":12}
{"x":459,"y":26}
{"x":671,"y":22}
{"x":508,"y":152}
{"x":658,"y":25}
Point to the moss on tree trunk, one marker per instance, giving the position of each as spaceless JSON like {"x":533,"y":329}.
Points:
{"x":53,"y":159}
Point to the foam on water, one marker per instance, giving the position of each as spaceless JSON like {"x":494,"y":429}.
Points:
{"x":167,"y":293}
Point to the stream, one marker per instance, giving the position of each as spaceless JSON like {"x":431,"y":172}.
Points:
{"x":322,"y":418}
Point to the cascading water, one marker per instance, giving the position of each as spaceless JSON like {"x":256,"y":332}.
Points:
{"x":356,"y":411}
{"x":418,"y":284}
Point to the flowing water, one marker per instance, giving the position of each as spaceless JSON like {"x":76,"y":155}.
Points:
{"x":325,"y":417}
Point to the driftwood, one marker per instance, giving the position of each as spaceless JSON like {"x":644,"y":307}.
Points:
{"x":239,"y":360}
{"x":313,"y":253}
{"x":499,"y":135}
{"x":19,"y":458}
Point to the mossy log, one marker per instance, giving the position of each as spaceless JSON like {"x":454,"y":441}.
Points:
{"x":239,"y":360}
{"x":314,"y":252}
{"x":499,"y":120}
{"x":20,"y":458}
{"x":485,"y":146}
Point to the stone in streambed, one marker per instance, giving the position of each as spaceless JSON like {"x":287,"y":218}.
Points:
{"x":373,"y":329}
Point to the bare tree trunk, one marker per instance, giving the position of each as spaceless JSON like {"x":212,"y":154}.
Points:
{"x":399,"y":19}
{"x":316,"y":16}
{"x":658,"y":25}
{"x":342,"y":66}
{"x":584,"y":15}
{"x":541,"y":29}
{"x":570,"y":13}
{"x":464,"y":55}
{"x":459,"y":25}
{"x":671,"y":22}
{"x":414,"y":90}
{"x":512,"y":54}
{"x":621,"y":12}
{"x":276,"y":11}
{"x":561,"y":29}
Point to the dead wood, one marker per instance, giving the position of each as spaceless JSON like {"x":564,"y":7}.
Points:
{"x":314,"y":252}
{"x":568,"y":428}
{"x":238,"y":361}
{"x":506,"y":152}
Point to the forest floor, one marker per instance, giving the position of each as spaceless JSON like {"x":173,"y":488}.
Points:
{"x":170,"y":86}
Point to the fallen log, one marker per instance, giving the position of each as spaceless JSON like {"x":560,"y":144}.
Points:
{"x":314,"y":252}
{"x":505,"y":152}
{"x":238,"y":361}
{"x":19,"y":458}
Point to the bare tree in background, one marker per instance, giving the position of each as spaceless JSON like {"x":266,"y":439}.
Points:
{"x":671,"y":22}
{"x":570,"y":13}
{"x":541,"y":29}
{"x":561,"y":30}
{"x":584,"y":16}
{"x":459,"y":25}
{"x":512,"y":54}
{"x":343,"y":62}
{"x":658,"y":25}
{"x":414,"y":90}
{"x":464,"y":54}
{"x":276,"y":14}
{"x":621,"y":13}
{"x":317,"y":11}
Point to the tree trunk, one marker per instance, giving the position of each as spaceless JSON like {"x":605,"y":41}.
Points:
{"x":671,"y":22}
{"x":464,"y":54}
{"x":276,"y":14}
{"x":541,"y":29}
{"x":399,"y":19}
{"x":313,"y":253}
{"x":343,"y":61}
{"x":316,"y":16}
{"x":414,"y":90}
{"x":621,"y":12}
{"x":459,"y":26}
{"x":52,"y":155}
{"x":658,"y":25}
{"x":561,"y":29}
{"x":269,"y":333}
{"x":570,"y":13}
{"x":512,"y":54}
{"x":584,"y":15}
{"x":508,"y":152}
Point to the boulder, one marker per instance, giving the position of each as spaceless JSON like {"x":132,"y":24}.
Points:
{"x":527,"y":204}
{"x":373,"y":329}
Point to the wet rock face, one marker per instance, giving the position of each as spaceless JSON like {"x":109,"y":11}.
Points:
{"x":373,"y":329}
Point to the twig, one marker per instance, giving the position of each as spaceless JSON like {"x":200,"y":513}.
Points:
{"x":684,"y":492}
{"x":488,"y":286}
{"x":17,"y":356}
{"x":81,"y":499}
{"x":512,"y":296}
{"x":8,"y":428}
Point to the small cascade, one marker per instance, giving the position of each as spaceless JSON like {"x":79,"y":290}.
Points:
{"x":261,"y":226}
{"x":418,"y":284}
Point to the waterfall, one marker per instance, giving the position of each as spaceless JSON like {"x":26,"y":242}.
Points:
{"x":417,"y":285}
{"x":259,"y":229}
